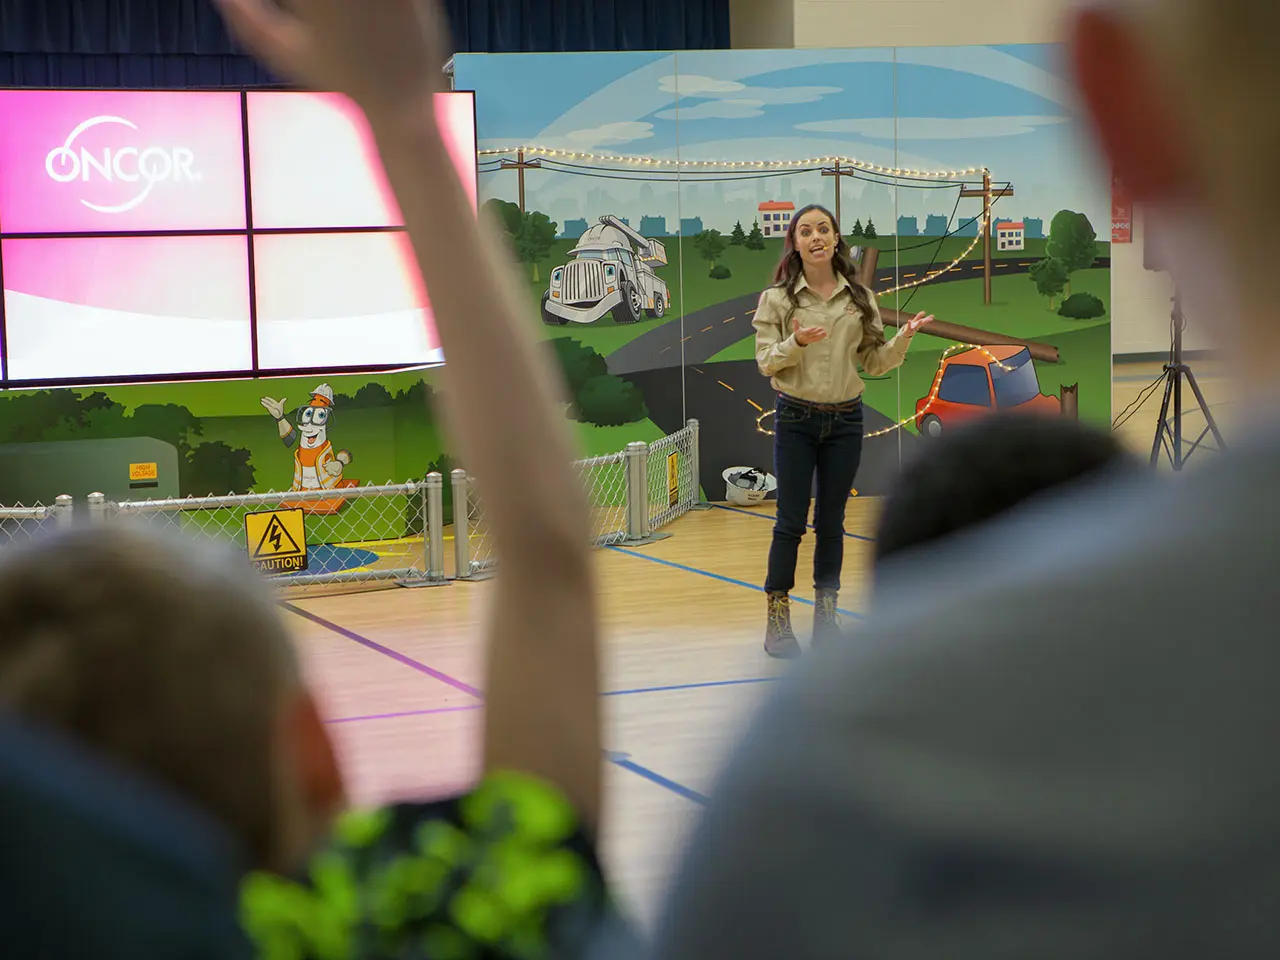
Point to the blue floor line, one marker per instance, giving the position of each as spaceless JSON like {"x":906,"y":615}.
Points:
{"x":772,"y":517}
{"x":626,"y":763}
{"x":720,"y":577}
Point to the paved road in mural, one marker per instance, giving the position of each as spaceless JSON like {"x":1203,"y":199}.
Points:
{"x":708,"y":331}
{"x":730,"y":436}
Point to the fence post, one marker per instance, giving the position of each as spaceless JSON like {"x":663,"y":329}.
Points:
{"x":695,"y":458}
{"x":433,"y":526}
{"x":461,"y":524}
{"x":63,"y":510}
{"x":637,"y":463}
{"x":97,"y":508}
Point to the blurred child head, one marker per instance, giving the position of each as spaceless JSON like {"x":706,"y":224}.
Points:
{"x":169,"y":657}
{"x":984,"y":469}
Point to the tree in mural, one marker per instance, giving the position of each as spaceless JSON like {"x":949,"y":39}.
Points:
{"x":857,"y":229}
{"x":755,"y":239}
{"x":532,"y":233}
{"x":597,"y":396}
{"x":870,"y":231}
{"x":1073,"y":241}
{"x":710,"y":245}
{"x":1050,"y":277}
{"x":738,"y":237}
{"x":214,"y":468}
{"x":64,"y":415}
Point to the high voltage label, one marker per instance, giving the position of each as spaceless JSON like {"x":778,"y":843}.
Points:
{"x":276,"y":540}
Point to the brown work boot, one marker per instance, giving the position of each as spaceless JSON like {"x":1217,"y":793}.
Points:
{"x":826,"y":619}
{"x":779,"y":639}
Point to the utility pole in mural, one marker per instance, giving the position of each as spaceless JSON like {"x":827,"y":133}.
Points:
{"x":988,"y":196}
{"x":520,"y":165}
{"x":839,"y":173}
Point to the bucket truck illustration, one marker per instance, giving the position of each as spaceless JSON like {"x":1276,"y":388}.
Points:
{"x":608,"y":276}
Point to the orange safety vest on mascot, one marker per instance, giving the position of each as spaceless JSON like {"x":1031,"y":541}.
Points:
{"x":309,"y":471}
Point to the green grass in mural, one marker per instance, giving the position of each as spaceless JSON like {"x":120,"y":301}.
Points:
{"x":1017,"y":309}
{"x":751,"y":271}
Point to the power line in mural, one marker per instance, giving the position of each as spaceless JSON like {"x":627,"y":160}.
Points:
{"x":611,"y":173}
{"x":902,"y":173}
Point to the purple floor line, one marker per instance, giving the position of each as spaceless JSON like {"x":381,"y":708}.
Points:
{"x":385,"y":651}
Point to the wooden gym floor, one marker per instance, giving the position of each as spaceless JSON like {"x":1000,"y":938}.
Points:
{"x":397,"y":670}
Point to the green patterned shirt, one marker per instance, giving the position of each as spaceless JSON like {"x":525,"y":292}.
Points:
{"x":505,"y":871}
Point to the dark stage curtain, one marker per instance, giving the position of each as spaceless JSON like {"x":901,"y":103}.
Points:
{"x":182,"y":43}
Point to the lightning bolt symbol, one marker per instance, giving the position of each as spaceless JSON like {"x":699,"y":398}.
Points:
{"x":274,"y":537}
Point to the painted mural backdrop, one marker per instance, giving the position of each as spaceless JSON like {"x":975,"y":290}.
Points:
{"x":647,"y":194}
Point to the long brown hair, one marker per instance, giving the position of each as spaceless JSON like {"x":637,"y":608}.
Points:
{"x":791,"y":268}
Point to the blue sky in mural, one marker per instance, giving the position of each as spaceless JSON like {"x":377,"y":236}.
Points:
{"x":928,"y":108}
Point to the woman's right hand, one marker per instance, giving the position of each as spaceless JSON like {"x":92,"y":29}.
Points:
{"x":807,"y":335}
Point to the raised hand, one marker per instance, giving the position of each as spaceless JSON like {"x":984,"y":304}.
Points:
{"x":915,"y":323}
{"x":387,"y":55}
{"x":274,"y":407}
{"x":807,"y":335}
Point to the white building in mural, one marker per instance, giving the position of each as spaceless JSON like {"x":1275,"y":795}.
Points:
{"x":1011,"y":235}
{"x":775,"y":217}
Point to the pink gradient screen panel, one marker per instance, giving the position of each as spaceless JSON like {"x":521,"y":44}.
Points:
{"x":114,"y":161}
{"x":313,"y":162}
{"x":341,"y":300}
{"x":126,"y":306}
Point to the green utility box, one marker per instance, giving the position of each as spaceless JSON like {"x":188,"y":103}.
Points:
{"x":128,"y":468}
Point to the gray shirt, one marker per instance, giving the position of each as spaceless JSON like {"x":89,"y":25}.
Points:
{"x":1053,"y":738}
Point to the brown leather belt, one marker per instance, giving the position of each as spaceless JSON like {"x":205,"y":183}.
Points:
{"x":847,"y":406}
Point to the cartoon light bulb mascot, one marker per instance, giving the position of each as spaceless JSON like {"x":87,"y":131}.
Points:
{"x":315,"y":464}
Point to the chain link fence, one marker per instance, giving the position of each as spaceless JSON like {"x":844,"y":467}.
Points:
{"x":632,"y":494}
{"x":20,"y":523}
{"x":315,"y":537}
{"x":395,"y":532}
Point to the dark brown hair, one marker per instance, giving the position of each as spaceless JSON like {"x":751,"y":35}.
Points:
{"x":791,"y":267}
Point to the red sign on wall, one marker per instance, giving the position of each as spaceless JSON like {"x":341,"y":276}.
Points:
{"x":1121,"y":213}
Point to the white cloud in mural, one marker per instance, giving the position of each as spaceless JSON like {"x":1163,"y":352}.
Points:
{"x":694,"y":86}
{"x":716,"y":110}
{"x":691,"y":85}
{"x":611,"y":134}
{"x":933,"y":128}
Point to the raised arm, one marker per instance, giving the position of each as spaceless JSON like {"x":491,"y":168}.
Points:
{"x":542,"y":686}
{"x":776,"y":346}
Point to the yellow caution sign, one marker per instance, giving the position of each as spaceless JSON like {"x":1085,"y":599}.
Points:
{"x":143,"y":471}
{"x":673,"y":478}
{"x":276,"y":540}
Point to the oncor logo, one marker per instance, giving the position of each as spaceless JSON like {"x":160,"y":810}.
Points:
{"x":146,"y":165}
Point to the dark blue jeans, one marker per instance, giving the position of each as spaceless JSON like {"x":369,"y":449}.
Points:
{"x":809,"y":444}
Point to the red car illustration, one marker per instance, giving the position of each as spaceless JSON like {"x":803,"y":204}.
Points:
{"x":972,"y":383}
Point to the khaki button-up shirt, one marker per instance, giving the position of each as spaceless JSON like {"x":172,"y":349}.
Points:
{"x":826,"y":371}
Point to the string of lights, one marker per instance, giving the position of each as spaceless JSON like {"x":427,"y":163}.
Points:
{"x":897,"y":172}
{"x":985,"y":224}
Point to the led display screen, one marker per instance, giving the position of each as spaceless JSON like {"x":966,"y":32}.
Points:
{"x":158,"y":234}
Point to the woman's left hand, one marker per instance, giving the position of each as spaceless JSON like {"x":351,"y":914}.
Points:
{"x":915,"y":323}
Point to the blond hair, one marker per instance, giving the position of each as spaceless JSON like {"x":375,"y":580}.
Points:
{"x":164,"y":655}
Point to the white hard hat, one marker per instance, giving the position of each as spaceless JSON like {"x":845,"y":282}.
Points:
{"x":748,"y":485}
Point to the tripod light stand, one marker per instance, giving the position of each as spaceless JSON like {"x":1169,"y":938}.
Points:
{"x":1169,"y":429}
